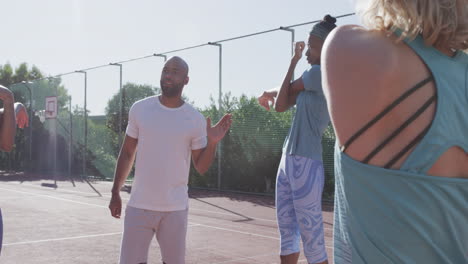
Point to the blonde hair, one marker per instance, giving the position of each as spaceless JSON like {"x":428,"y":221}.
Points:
{"x":442,"y":23}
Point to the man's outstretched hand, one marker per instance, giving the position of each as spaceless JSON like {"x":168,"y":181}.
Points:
{"x":218,"y":131}
{"x":266,"y":99}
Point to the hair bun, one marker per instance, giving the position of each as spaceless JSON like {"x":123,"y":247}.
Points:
{"x":329,"y":19}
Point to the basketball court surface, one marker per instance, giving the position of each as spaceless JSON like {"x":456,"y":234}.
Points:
{"x":73,"y":225}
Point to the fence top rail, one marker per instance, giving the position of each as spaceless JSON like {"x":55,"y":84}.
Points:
{"x":186,"y":48}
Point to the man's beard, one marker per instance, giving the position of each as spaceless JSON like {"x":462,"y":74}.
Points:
{"x":173,"y":91}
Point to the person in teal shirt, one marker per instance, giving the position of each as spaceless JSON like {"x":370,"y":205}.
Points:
{"x":397,"y":93}
{"x":300,"y":178}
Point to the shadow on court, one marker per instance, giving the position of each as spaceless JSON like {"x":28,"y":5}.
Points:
{"x":73,"y":225}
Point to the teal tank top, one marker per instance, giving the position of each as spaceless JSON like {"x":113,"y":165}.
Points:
{"x":407,"y":216}
{"x":310,"y":119}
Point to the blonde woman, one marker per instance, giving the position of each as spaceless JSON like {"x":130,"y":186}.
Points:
{"x":397,"y":93}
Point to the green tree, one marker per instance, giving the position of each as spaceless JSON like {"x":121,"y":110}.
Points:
{"x":131,"y":92}
{"x":328,"y":147}
{"x":6,"y":75}
{"x":252,"y":148}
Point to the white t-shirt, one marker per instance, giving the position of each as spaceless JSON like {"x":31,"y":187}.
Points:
{"x":166,"y":137}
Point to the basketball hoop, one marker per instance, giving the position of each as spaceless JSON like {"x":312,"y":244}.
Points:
{"x":51,"y":107}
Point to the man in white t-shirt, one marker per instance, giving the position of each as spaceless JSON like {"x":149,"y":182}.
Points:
{"x":164,"y":132}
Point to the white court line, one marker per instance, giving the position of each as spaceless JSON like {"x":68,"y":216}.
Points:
{"x":4,"y":198}
{"x":52,"y":189}
{"x":246,"y":258}
{"x":190,"y":208}
{"x":240,"y":232}
{"x":56,"y":198}
{"x":236,"y":231}
{"x":123,"y":198}
{"x":95,"y":205}
{"x":60,"y":239}
{"x":231,"y":214}
{"x":68,"y":238}
{"x":72,"y":201}
{"x":273,"y":230}
{"x":235,"y":257}
{"x":253,"y":218}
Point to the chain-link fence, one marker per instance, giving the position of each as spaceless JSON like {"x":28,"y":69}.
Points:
{"x":83,"y":144}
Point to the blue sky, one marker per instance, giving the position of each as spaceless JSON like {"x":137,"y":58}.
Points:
{"x":62,"y":36}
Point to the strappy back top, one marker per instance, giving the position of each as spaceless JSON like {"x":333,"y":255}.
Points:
{"x":406,"y":216}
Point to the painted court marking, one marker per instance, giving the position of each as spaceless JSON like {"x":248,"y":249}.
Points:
{"x":247,"y":258}
{"x":236,"y":231}
{"x":191,"y":225}
{"x":101,"y":206}
{"x":191,"y":208}
{"x":95,"y":205}
{"x":53,"y":197}
{"x":60,"y":239}
{"x":69,"y":238}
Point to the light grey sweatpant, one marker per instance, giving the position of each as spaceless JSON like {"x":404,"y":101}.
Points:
{"x":141,"y":225}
